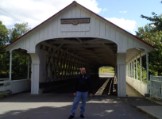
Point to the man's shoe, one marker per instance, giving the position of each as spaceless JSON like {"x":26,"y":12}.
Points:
{"x":71,"y":117}
{"x":81,"y":116}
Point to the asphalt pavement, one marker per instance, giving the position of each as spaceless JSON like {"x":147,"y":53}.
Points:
{"x":57,"y":106}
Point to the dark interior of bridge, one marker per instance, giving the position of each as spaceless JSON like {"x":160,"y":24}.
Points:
{"x":64,"y":56}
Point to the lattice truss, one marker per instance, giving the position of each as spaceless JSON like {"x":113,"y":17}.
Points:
{"x":61,"y":64}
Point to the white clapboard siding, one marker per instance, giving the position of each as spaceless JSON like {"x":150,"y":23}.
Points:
{"x":97,"y":28}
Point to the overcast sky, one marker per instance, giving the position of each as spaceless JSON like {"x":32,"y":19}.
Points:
{"x":124,"y":13}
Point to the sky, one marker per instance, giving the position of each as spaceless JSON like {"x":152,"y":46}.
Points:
{"x":124,"y":13}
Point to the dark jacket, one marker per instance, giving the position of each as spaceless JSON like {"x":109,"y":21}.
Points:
{"x":83,"y":83}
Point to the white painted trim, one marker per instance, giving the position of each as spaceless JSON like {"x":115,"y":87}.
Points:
{"x":121,"y":74}
{"x":138,"y":85}
{"x":35,"y":73}
{"x":10,"y":66}
{"x":141,"y":68}
{"x":147,"y":65}
{"x":28,"y":69}
{"x":136,"y":73}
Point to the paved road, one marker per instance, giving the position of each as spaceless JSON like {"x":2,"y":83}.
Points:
{"x":57,"y":106}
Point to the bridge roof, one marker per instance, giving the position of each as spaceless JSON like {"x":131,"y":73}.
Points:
{"x":93,"y":41}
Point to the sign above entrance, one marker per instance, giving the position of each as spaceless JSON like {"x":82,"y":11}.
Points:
{"x":75,"y":21}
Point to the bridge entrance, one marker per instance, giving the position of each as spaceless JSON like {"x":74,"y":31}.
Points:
{"x":75,"y":37}
{"x":61,"y":58}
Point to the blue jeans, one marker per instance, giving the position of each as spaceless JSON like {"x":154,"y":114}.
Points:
{"x":79,"y":96}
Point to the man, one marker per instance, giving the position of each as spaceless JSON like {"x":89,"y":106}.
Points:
{"x":82,"y":86}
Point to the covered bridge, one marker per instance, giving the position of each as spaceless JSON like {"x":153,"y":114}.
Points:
{"x":74,"y":37}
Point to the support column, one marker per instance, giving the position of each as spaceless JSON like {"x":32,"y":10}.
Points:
{"x":134,"y":69}
{"x":35,"y":73}
{"x":141,"y":73}
{"x":28,"y":68}
{"x":10,"y":67}
{"x":136,"y":65}
{"x":131,"y":69}
{"x":147,"y":65}
{"x":121,"y":74}
{"x":147,"y":71}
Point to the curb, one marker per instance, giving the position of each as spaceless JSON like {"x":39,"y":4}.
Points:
{"x":154,"y":100}
{"x":142,"y":110}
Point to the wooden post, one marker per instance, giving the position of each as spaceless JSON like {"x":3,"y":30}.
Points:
{"x":35,"y":73}
{"x":121,"y":74}
{"x":10,"y":66}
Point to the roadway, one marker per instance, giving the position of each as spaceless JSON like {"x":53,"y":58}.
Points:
{"x":57,"y":106}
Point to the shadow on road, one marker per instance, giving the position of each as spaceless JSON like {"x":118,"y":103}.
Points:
{"x":54,"y":106}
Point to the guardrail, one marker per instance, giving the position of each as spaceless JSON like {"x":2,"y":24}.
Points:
{"x":138,"y":85}
{"x":4,"y":84}
{"x":156,"y":87}
{"x":14,"y":86}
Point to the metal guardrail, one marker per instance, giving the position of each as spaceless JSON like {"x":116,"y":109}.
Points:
{"x":156,"y":87}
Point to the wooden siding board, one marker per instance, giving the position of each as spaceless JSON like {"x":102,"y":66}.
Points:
{"x":77,"y":13}
{"x":109,"y":33}
{"x":84,"y":14}
{"x":102,"y":29}
{"x":118,"y":40}
{"x":113,"y":34}
{"x":96,"y":28}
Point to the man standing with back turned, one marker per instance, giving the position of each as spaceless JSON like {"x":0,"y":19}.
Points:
{"x":82,"y":87}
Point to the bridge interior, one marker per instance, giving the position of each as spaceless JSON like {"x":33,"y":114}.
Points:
{"x":61,"y":58}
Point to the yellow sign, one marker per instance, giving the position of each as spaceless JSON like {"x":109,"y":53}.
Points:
{"x":106,"y":71}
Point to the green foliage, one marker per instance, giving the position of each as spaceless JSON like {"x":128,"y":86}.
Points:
{"x":3,"y":35}
{"x":20,"y":64}
{"x":152,"y":33}
{"x":4,"y":65}
{"x":143,"y":71}
{"x":156,"y":21}
{"x":17,"y":31}
{"x":3,"y":56}
{"x":20,"y":57}
{"x":154,"y":38}
{"x":20,"y":60}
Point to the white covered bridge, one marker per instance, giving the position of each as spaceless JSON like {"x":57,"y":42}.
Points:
{"x":75,"y":37}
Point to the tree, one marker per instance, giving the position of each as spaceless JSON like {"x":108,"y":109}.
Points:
{"x":156,"y":21}
{"x":20,"y":57}
{"x":18,"y":30}
{"x":152,"y":33}
{"x":3,"y":35}
{"x":3,"y":56}
{"x":19,"y":64}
